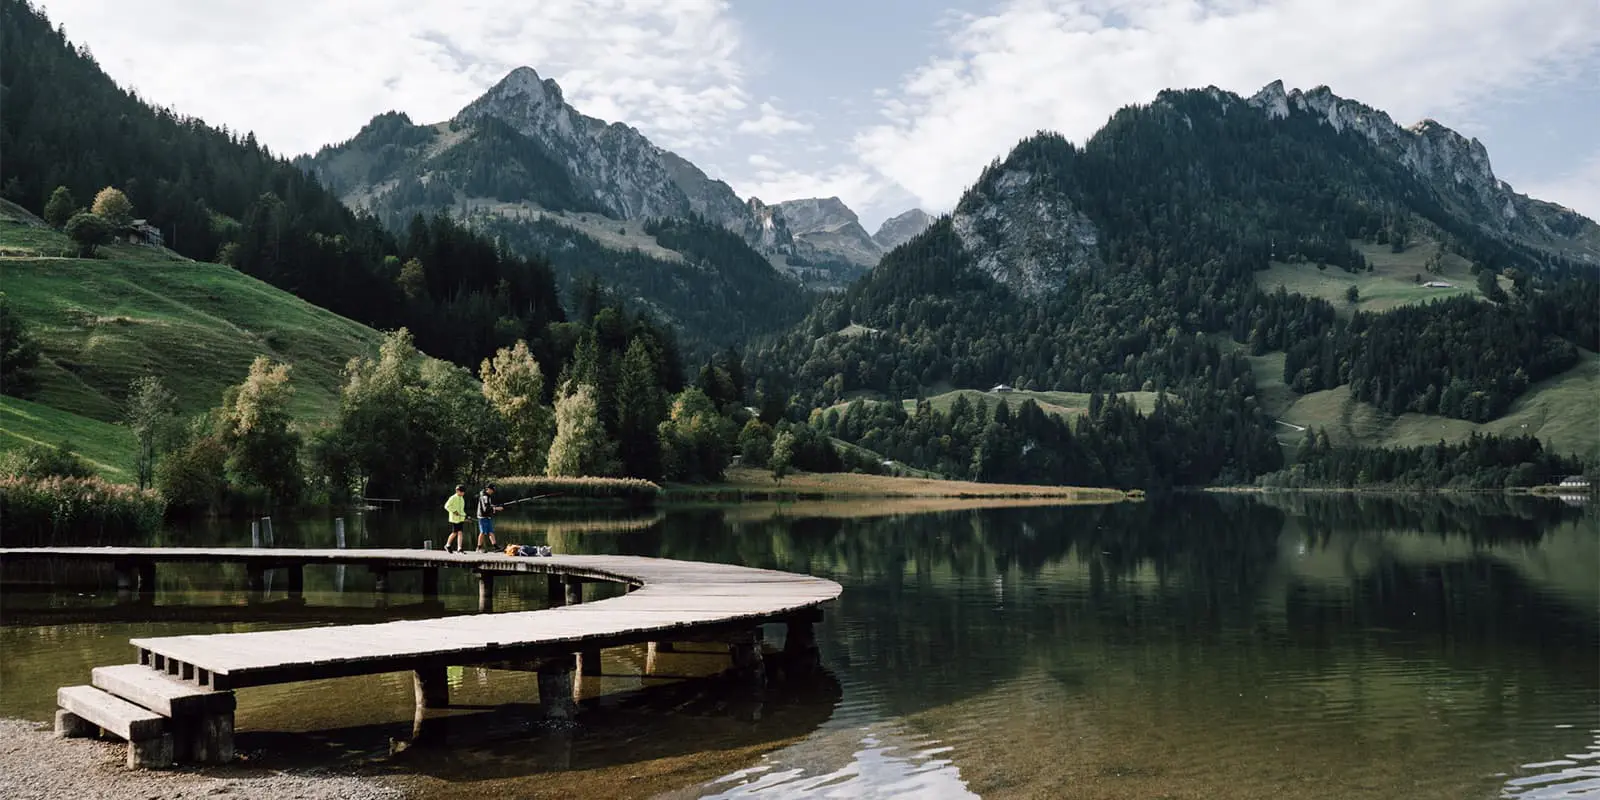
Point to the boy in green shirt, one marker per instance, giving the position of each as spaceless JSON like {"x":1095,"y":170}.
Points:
{"x":456,"y":508}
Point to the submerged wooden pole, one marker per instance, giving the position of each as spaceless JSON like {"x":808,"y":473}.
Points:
{"x":432,"y":687}
{"x":297,"y":579}
{"x":555,"y":688}
{"x":485,"y":592}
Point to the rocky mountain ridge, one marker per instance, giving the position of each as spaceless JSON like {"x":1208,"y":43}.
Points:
{"x":521,"y":148}
{"x":1455,"y":167}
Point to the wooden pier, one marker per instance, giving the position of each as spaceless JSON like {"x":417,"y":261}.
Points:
{"x":190,"y":701}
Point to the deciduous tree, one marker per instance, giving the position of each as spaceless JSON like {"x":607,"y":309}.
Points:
{"x":150,"y":416}
{"x":514,"y":386}
{"x":580,"y":447}
{"x":89,"y":231}
{"x":113,"y":206}
{"x":60,"y":207}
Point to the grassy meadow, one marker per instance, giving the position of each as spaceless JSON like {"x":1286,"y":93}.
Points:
{"x":1390,"y":285}
{"x":1562,"y":411}
{"x":137,"y":311}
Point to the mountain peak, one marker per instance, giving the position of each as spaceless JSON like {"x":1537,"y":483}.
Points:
{"x":816,"y":213}
{"x":525,"y":81}
{"x":1272,"y":99}
{"x":902,"y":228}
{"x":831,"y":227}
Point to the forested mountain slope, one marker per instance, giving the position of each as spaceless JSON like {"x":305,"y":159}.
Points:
{"x":1103,"y":268}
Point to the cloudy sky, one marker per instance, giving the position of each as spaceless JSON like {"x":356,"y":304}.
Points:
{"x":885,"y":103}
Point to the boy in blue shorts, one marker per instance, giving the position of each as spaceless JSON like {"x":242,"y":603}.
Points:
{"x":486,"y":512}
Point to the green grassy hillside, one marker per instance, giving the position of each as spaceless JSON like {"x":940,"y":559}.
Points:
{"x":110,"y":449}
{"x":1390,"y":284}
{"x":1561,"y":411}
{"x":138,"y":310}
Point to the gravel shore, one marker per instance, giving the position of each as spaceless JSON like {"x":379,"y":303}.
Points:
{"x":35,"y":764}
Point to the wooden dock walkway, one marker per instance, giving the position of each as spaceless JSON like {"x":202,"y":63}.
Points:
{"x":667,"y":601}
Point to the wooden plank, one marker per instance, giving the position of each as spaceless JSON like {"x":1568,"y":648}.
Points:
{"x":114,"y":714}
{"x":673,"y":599}
{"x":160,"y":693}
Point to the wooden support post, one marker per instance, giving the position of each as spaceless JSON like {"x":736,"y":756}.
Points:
{"x":485,"y":592}
{"x":207,"y":739}
{"x":747,"y":663}
{"x":430,"y":583}
{"x":255,"y":533}
{"x":801,"y":638}
{"x":72,"y":726}
{"x":555,"y":688}
{"x":147,"y":578}
{"x":574,"y":590}
{"x":555,"y":591}
{"x":589,"y":661}
{"x":254,"y":579}
{"x":338,"y":532}
{"x":432,"y":687}
{"x":380,"y":579}
{"x":152,"y":753}
{"x":297,"y":579}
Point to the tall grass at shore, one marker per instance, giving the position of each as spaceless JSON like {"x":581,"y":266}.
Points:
{"x":34,"y":510}
{"x":631,"y":490}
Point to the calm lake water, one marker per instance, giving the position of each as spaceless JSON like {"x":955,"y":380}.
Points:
{"x":1200,"y":647}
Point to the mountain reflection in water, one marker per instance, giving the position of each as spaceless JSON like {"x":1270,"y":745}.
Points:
{"x":1284,"y":646}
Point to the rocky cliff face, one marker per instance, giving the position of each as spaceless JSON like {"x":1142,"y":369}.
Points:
{"x":1023,"y":233}
{"x":1455,"y":167}
{"x":831,"y":228}
{"x":627,"y":174}
{"x":901,"y":228}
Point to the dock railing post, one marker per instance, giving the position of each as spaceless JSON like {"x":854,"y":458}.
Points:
{"x":338,"y":541}
{"x":255,"y":533}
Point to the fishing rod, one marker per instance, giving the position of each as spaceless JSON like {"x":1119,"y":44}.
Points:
{"x":526,"y":499}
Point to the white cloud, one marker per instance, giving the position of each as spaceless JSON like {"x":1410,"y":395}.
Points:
{"x":303,"y":73}
{"x":1578,"y":190}
{"x":772,"y":122}
{"x":1068,"y":64}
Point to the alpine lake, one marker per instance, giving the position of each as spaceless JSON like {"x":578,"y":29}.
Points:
{"x":1198,"y":646}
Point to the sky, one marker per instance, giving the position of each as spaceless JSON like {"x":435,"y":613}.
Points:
{"x":887,"y":104}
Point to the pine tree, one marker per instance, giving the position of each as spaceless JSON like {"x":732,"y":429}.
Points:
{"x":641,"y":407}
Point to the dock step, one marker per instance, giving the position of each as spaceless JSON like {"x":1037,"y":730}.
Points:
{"x":159,"y":693}
{"x":202,"y":719}
{"x":84,"y":708}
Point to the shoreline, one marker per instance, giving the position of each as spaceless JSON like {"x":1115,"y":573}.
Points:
{"x":35,"y":764}
{"x":748,"y":484}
